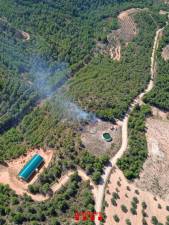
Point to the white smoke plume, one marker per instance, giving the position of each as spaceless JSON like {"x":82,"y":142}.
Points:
{"x":43,"y":75}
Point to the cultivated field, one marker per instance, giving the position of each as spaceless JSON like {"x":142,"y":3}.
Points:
{"x":128,"y":28}
{"x":124,"y":201}
{"x":156,"y":168}
{"x":127,"y":31}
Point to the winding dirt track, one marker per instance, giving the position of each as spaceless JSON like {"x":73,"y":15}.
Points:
{"x":107,"y":171}
{"x":98,"y":191}
{"x":62,"y":182}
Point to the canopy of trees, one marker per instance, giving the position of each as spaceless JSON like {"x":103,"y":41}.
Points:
{"x":132,"y":161}
{"x":59,"y":210}
{"x":159,"y":96}
{"x":108,"y":87}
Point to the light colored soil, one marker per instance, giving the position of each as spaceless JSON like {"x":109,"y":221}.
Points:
{"x":165,"y":53}
{"x":25,"y":35}
{"x":153,"y":177}
{"x":152,"y":205}
{"x":99,"y":190}
{"x":62,"y":181}
{"x":92,"y":137}
{"x":115,"y":53}
{"x":138,"y":99}
{"x":128,"y":28}
{"x":157,"y":113}
{"x":165,"y":1}
{"x":108,"y":169}
{"x":162,"y":12}
{"x":127,"y":31}
{"x":65,"y":178}
{"x":9,"y":173}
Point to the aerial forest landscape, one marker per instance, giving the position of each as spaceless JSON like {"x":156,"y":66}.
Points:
{"x":84,"y":112}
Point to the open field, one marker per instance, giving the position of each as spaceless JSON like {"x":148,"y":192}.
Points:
{"x":126,"y":192}
{"x":153,"y":177}
{"x":92,"y":138}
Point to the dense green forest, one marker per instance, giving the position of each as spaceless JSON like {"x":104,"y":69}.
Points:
{"x":132,"y":161}
{"x":63,"y":35}
{"x":107,"y":81}
{"x":108,"y":87}
{"x":45,"y":127}
{"x":59,"y":32}
{"x":159,"y":96}
{"x":56,"y":211}
{"x":63,"y":30}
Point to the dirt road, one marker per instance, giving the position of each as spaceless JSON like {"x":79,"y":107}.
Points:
{"x":138,"y":100}
{"x":63,"y":181}
{"x":98,"y":191}
{"x":107,"y":171}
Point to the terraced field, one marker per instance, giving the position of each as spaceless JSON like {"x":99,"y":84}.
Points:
{"x":128,"y":28}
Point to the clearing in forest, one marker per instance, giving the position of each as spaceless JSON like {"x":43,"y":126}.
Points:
{"x":92,"y":137}
{"x":127,"y":31}
{"x":128,"y":28}
{"x":9,"y":172}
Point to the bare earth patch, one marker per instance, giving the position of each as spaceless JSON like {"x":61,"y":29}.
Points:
{"x":25,"y":35}
{"x":127,"y":31}
{"x":165,"y":53}
{"x":126,"y":192}
{"x":159,"y":114}
{"x":162,"y":12}
{"x":128,"y":28}
{"x":9,"y":173}
{"x":165,"y":1}
{"x":154,"y":177}
{"x":92,"y":137}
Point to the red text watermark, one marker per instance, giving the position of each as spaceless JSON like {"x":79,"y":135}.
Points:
{"x":88,"y":216}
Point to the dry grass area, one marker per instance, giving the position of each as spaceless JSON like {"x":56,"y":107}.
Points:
{"x":126,"y":193}
{"x":156,"y":168}
{"x":165,"y":53}
{"x":92,"y":137}
{"x":8,"y":173}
